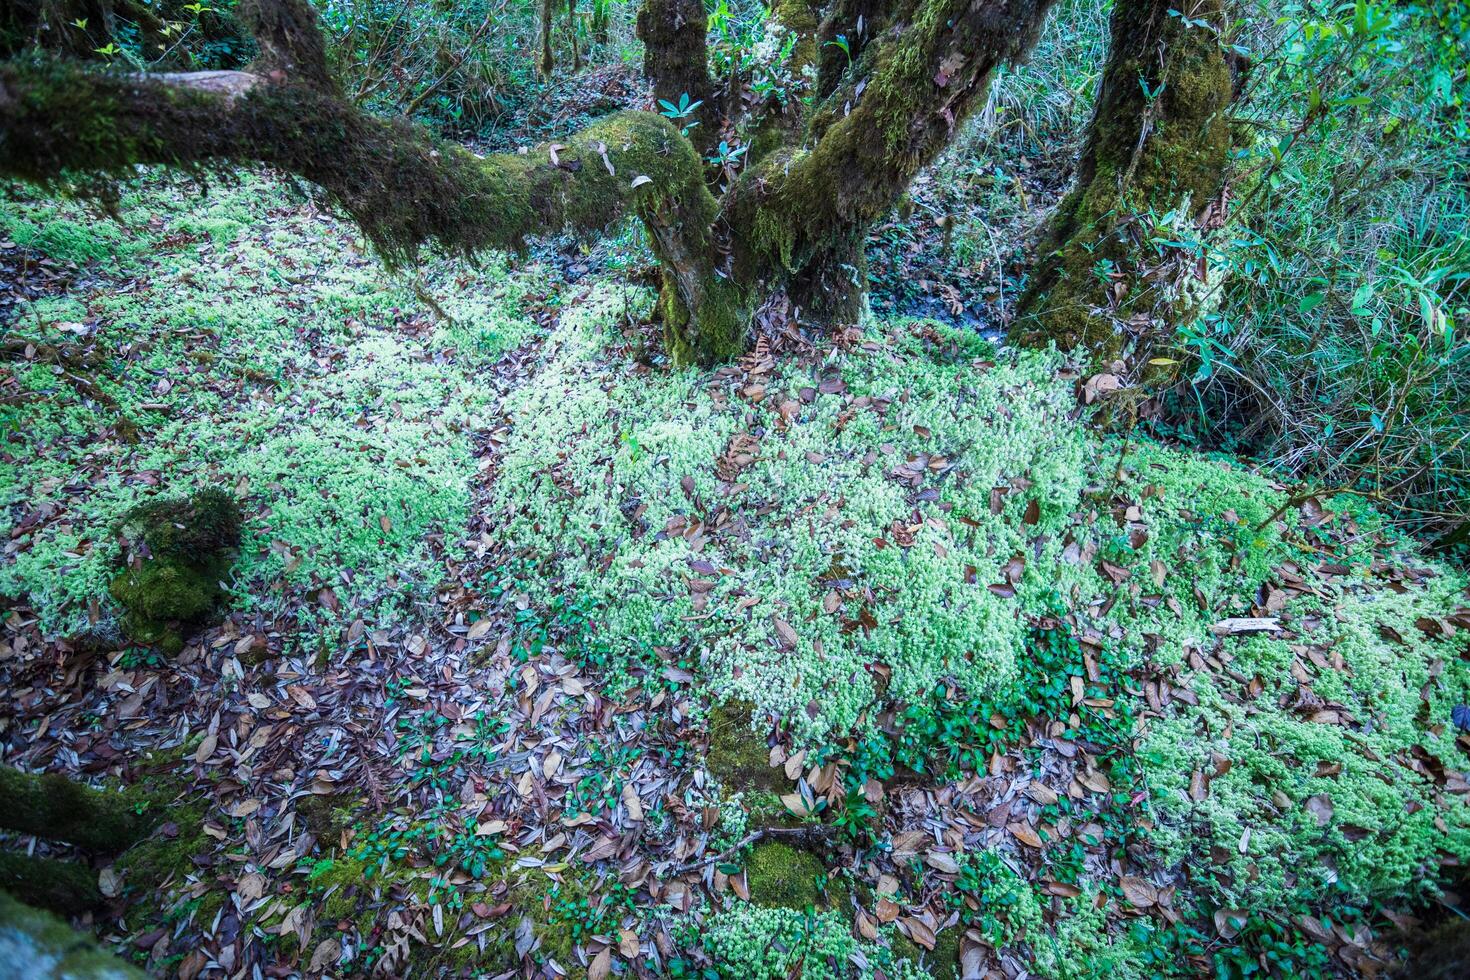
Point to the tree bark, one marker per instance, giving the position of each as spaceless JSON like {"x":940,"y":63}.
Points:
{"x":401,"y":187}
{"x":676,"y":59}
{"x":1159,"y":142}
{"x":794,"y":216}
{"x":63,"y":887}
{"x":545,"y":61}
{"x":57,"y":808}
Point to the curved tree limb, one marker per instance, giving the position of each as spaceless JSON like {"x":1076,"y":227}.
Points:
{"x":891,"y":116}
{"x":402,"y":187}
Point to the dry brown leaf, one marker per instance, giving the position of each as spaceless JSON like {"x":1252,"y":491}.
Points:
{"x":1023,"y":833}
{"x":1139,"y":892}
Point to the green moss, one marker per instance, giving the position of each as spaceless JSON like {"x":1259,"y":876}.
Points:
{"x":340,"y":882}
{"x":765,"y":809}
{"x":780,"y":875}
{"x":352,"y":466}
{"x":167,"y":857}
{"x":942,"y":962}
{"x":738,"y":757}
{"x":64,"y":887}
{"x":327,"y":815}
{"x":52,"y":806}
{"x":204,"y":524}
{"x":68,"y":240}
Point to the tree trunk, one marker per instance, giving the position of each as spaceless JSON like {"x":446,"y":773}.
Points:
{"x":832,"y":288}
{"x":63,"y":887}
{"x":545,"y":62}
{"x":57,"y":808}
{"x":1159,"y":142}
{"x":676,"y":59}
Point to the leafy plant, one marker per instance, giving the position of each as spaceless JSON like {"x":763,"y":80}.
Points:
{"x":682,"y":113}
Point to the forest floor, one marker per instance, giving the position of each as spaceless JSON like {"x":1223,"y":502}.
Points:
{"x":865,"y":657}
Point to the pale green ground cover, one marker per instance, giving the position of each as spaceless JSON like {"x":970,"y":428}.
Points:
{"x":272,"y":357}
{"x":269,"y":356}
{"x":594,"y":439}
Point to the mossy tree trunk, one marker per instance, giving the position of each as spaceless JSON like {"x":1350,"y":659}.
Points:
{"x":1158,"y":145}
{"x":545,"y":60}
{"x":64,"y":887}
{"x":791,"y":222}
{"x":57,"y":808}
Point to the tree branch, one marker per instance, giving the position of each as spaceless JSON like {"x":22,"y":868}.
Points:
{"x":917,"y":82}
{"x":402,"y":187}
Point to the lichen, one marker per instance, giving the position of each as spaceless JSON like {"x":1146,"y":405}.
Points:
{"x":770,"y":943}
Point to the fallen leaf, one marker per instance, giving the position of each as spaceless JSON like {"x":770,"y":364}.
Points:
{"x":1139,"y":892}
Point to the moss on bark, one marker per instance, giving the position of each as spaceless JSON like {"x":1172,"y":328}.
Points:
{"x":63,"y":887}
{"x":1159,"y":141}
{"x":792,"y":221}
{"x":402,"y":187}
{"x":57,"y":808}
{"x":676,"y":59}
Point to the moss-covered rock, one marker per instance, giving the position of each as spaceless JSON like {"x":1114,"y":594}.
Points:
{"x":184,"y":548}
{"x":49,"y":948}
{"x":64,"y":887}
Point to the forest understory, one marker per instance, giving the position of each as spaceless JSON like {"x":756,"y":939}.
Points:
{"x":440,"y":619}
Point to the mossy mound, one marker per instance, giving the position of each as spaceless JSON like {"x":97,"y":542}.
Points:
{"x":737,"y":756}
{"x":190,"y":545}
{"x":206,"y":523}
{"x":782,"y":876}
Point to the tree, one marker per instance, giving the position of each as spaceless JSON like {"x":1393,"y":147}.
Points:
{"x":890,"y":83}
{"x":1159,"y":143}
